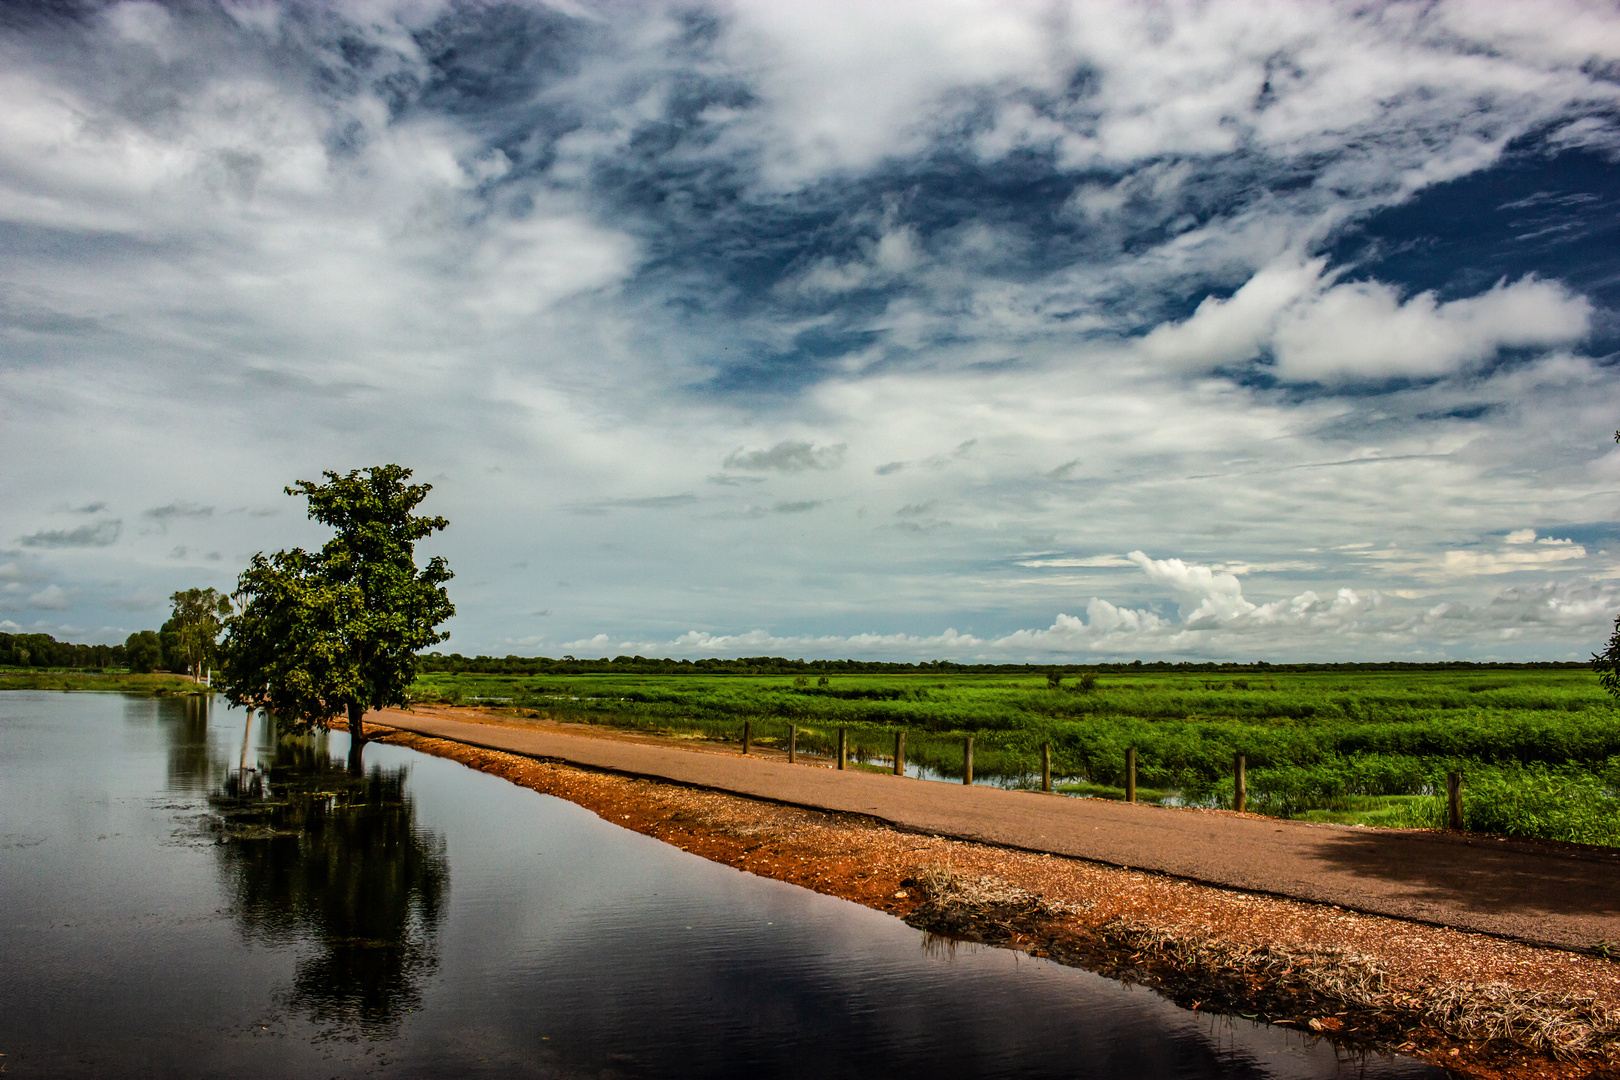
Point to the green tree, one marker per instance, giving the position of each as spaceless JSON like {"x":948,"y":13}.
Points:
{"x":336,"y":632}
{"x":1607,"y":662}
{"x":143,"y":651}
{"x":196,"y":624}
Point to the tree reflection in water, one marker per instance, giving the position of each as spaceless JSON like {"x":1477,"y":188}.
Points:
{"x":316,"y":854}
{"x":191,"y":764}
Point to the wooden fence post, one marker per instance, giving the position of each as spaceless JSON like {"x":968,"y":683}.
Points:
{"x":1240,"y":783}
{"x":899,"y":753}
{"x":1454,"y":799}
{"x":1046,"y":766}
{"x":967,"y":760}
{"x":1130,"y":774}
{"x":843,"y":747}
{"x":793,"y":743}
{"x":748,"y":736}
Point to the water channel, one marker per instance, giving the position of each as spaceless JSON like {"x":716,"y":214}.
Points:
{"x":164,"y":913}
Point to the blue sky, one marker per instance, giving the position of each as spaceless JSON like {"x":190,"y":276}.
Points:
{"x":1009,"y":331}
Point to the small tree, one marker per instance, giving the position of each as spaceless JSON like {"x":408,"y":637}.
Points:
{"x":336,"y":632}
{"x":1607,"y":662}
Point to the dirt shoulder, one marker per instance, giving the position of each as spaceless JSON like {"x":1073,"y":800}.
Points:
{"x":1477,"y":1005}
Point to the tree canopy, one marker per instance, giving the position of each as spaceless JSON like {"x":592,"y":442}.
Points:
{"x":195,"y":624}
{"x":336,"y":632}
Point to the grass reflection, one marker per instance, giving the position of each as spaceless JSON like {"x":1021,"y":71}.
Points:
{"x":316,"y":855}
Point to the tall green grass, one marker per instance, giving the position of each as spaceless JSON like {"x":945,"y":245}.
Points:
{"x":1371,"y":743}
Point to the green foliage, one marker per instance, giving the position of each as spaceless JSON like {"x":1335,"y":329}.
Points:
{"x":1534,"y":801}
{"x":143,"y":652}
{"x":196,"y":624}
{"x":1607,"y":662}
{"x":44,"y":651}
{"x":337,"y":631}
{"x":158,"y":684}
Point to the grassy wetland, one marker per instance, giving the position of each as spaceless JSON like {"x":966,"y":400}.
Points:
{"x":1539,"y":748}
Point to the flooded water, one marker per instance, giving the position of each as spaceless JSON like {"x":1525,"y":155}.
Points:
{"x":164,"y":914}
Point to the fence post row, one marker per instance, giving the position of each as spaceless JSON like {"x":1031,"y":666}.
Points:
{"x":843,"y":747}
{"x":1240,"y":783}
{"x":748,"y":732}
{"x":1454,"y":799}
{"x":793,"y":743}
{"x":967,"y":760}
{"x":1046,"y":766}
{"x":899,"y":753}
{"x":1130,"y":774}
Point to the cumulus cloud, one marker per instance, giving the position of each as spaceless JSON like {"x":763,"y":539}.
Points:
{"x":1364,"y":331}
{"x":1317,"y":331}
{"x":255,"y":241}
{"x":1207,"y":597}
{"x":1351,"y":623}
{"x":1215,"y":620}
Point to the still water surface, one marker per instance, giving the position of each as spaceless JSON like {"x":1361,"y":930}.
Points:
{"x":164,"y":914}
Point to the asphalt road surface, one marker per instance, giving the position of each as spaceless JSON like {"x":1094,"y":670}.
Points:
{"x":1560,"y":895}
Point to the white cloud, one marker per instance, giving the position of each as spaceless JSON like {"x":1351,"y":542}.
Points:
{"x":1220,"y":623}
{"x":262,"y":258}
{"x":1231,"y":331}
{"x":50,"y":598}
{"x":1364,"y":331}
{"x":1090,"y":561}
{"x":1333,"y":333}
{"x":1207,"y":596}
{"x":1521,"y":555}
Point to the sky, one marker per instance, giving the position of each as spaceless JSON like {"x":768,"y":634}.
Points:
{"x":1006,"y":331}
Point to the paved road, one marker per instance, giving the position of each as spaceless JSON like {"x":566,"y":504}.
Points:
{"x":1550,"y":896}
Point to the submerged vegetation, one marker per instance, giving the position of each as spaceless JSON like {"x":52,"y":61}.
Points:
{"x":1538,"y":746}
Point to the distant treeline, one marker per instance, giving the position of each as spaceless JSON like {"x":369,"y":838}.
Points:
{"x":777,"y":665}
{"x":144,"y":651}
{"x":42,"y":650}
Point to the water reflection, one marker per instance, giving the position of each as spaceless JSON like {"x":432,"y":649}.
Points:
{"x":318,"y":856}
{"x":192,"y":763}
{"x":569,"y":947}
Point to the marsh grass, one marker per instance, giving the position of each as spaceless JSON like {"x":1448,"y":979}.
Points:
{"x":16,"y":678}
{"x":1539,"y":749}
